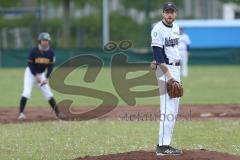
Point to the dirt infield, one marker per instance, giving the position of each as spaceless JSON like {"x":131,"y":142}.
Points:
{"x":147,"y":155}
{"x":124,"y":113}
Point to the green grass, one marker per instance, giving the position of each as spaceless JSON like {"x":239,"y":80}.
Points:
{"x":212,"y":85}
{"x":205,"y":85}
{"x":68,"y":140}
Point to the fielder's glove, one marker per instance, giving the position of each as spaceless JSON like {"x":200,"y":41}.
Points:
{"x":174,"y":88}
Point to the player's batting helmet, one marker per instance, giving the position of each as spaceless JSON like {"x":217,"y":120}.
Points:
{"x":44,"y":36}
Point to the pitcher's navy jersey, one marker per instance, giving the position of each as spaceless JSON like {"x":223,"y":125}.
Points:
{"x":39,"y":60}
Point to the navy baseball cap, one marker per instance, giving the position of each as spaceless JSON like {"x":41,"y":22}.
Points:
{"x":169,"y":5}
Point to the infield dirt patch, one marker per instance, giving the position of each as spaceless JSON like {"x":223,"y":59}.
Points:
{"x":127,"y":113}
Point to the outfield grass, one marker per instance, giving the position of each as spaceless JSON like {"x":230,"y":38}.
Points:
{"x":68,"y":140}
{"x":205,"y":85}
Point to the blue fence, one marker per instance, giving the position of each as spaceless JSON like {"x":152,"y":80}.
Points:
{"x":212,"y":33}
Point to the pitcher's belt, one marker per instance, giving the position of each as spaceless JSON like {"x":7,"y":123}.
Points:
{"x":174,"y":63}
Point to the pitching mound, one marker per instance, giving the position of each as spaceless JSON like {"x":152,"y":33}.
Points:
{"x":147,"y":155}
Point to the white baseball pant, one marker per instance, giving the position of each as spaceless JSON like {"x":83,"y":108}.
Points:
{"x":168,"y":106}
{"x":29,"y":81}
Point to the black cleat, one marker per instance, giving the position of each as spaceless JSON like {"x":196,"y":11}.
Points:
{"x":167,"y":150}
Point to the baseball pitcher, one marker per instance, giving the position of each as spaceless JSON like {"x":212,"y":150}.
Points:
{"x":165,"y":36}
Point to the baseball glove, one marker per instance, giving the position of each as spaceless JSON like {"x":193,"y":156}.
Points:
{"x":174,"y":88}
